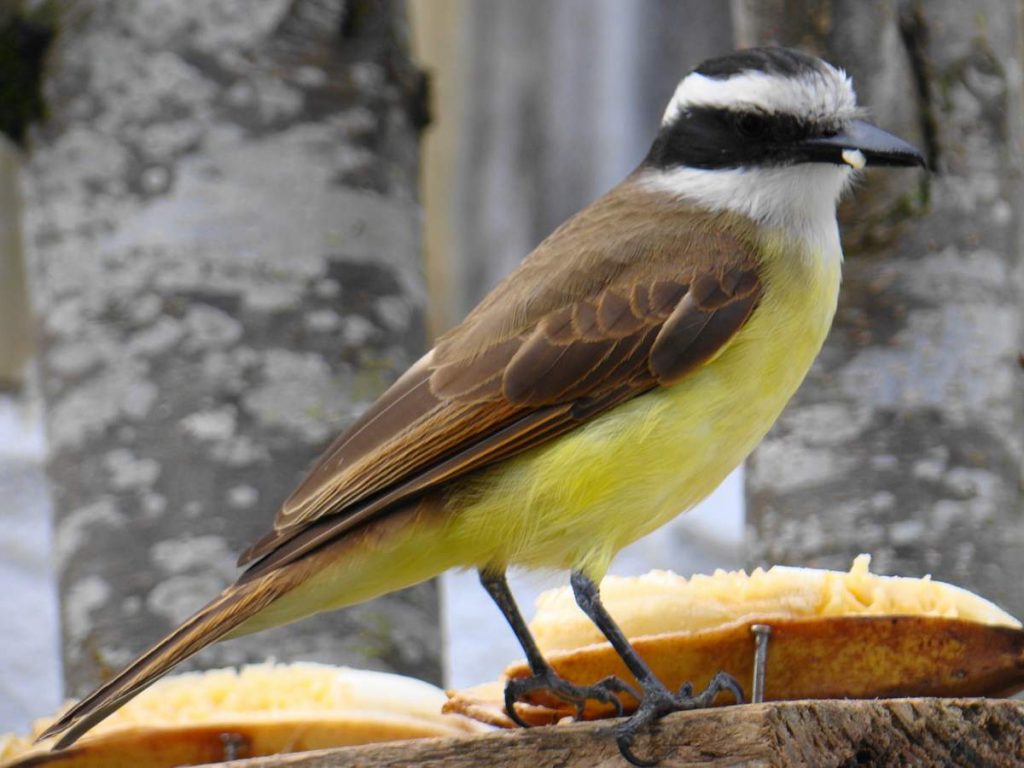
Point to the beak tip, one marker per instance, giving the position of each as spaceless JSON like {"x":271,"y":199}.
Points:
{"x":920,"y":161}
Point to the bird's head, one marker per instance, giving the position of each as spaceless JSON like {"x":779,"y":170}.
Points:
{"x":765,"y":122}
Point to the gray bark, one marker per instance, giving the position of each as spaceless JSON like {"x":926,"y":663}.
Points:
{"x":223,"y":238}
{"x":906,"y":440}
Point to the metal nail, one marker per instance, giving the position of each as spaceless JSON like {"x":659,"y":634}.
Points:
{"x":762,"y":632}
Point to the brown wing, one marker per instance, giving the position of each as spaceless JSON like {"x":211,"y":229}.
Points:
{"x":649,"y":290}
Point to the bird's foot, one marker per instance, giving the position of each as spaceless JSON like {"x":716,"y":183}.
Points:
{"x":605,"y":691}
{"x":659,"y":701}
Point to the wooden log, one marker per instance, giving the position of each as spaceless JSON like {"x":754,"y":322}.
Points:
{"x":948,"y":732}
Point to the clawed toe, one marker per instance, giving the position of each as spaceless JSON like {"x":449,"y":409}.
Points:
{"x":614,"y":687}
{"x":514,"y":689}
{"x":606,"y":691}
{"x":658,"y":701}
{"x":624,"y":738}
{"x":720,"y":682}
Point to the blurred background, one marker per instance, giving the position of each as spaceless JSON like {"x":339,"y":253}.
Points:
{"x":225,"y":226}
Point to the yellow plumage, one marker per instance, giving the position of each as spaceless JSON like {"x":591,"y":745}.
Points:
{"x":574,"y":502}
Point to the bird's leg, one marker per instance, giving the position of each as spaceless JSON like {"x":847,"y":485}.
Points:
{"x":657,"y":700}
{"x":544,"y":678}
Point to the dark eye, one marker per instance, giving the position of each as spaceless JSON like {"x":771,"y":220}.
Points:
{"x":751,"y":125}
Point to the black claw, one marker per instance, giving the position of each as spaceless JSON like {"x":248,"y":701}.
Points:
{"x":723,"y":682}
{"x":657,"y":702}
{"x":617,"y":686}
{"x":510,"y":706}
{"x":624,"y":739}
{"x":604,"y":691}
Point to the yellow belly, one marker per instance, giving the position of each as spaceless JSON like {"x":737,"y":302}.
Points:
{"x":578,"y":500}
{"x":574,"y":502}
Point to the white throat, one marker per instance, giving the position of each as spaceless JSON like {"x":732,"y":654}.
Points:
{"x":798,"y":199}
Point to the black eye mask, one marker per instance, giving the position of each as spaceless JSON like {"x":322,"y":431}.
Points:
{"x":716,"y":137}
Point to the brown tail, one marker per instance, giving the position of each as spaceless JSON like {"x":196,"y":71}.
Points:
{"x":209,"y":624}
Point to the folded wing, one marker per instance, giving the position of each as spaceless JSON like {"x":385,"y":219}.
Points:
{"x":631,"y":294}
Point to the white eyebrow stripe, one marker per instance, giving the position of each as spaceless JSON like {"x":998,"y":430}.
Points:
{"x":825,"y":94}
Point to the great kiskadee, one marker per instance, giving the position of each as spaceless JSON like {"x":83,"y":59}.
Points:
{"x":633,"y":359}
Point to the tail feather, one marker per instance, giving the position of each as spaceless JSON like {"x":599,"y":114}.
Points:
{"x":209,"y":624}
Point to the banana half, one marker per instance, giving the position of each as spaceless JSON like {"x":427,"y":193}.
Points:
{"x":834,"y":634}
{"x":262,"y":709}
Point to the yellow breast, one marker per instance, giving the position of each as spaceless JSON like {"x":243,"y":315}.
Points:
{"x":574,"y":502}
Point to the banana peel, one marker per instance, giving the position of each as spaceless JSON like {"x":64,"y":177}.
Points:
{"x":813,"y":656}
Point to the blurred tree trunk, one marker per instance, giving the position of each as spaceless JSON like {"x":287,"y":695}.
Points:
{"x":906,"y":440}
{"x":562,"y":100}
{"x":15,"y":336}
{"x":223,"y":238}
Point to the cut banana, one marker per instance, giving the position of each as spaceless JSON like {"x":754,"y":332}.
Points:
{"x":262,"y":709}
{"x":824,"y":634}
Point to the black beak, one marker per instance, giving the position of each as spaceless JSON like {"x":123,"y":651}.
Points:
{"x":877,"y":146}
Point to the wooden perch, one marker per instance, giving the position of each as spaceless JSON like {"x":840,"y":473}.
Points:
{"x":948,"y":732}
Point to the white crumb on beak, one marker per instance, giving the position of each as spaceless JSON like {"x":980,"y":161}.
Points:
{"x":854,"y":158}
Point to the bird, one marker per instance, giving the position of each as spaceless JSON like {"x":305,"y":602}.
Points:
{"x":633,"y":359}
